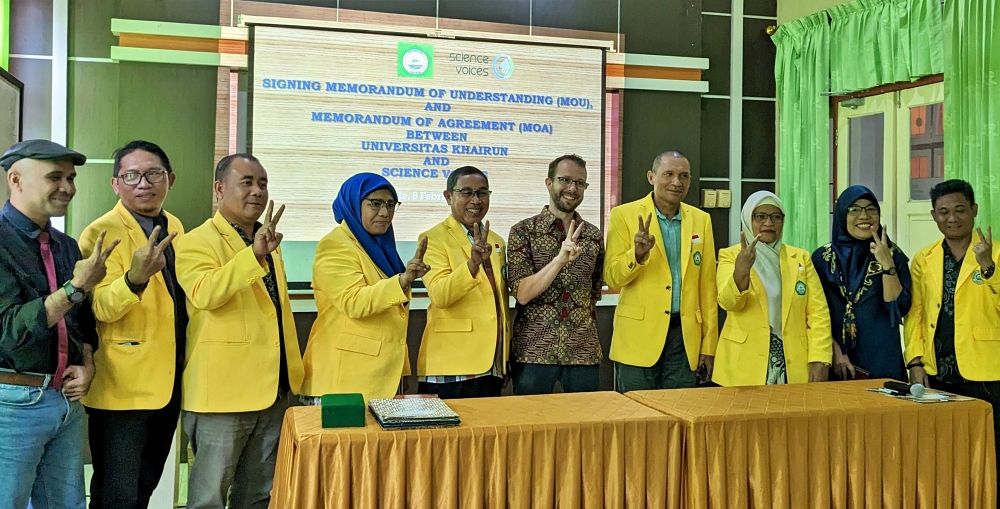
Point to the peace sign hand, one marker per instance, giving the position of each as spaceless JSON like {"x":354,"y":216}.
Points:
{"x":570,"y":250}
{"x":415,"y":268}
{"x":984,"y":248}
{"x":880,"y":248}
{"x":643,"y":240}
{"x":746,"y":258}
{"x":149,"y":259}
{"x":267,"y":238}
{"x":480,"y":245}
{"x":91,"y":270}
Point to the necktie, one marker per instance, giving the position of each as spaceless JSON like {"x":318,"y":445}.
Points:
{"x":50,"y":273}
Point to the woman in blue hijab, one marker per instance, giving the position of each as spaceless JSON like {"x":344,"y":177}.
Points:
{"x":362,"y":289}
{"x":866,"y":279}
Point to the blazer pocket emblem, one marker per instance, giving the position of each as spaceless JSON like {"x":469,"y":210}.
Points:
{"x":977,"y":277}
{"x":697,"y":257}
{"x":800,"y":288}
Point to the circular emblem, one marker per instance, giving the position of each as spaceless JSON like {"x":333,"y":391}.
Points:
{"x":800,"y":288}
{"x":697,"y":258}
{"x":415,"y":61}
{"x":977,"y":277}
{"x":503,"y":66}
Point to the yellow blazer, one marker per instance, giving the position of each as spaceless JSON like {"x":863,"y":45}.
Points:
{"x":232,"y":358}
{"x":358,"y":341}
{"x":745,"y":343}
{"x":136,"y":361}
{"x":977,"y":314}
{"x":460,"y":336}
{"x":642,"y":316}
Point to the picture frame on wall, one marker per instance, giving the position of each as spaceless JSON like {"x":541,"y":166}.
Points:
{"x":11,"y":126}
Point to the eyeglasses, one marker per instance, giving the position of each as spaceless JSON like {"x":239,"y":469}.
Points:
{"x":761,"y":217}
{"x":566,"y":181}
{"x":468,"y":193}
{"x":132,"y":178}
{"x":871,"y":210}
{"x":378,"y":205}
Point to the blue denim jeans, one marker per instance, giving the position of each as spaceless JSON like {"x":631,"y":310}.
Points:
{"x":41,"y":449}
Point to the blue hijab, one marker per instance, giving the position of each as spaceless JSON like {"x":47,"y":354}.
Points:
{"x":853,"y":255}
{"x":347,"y":207}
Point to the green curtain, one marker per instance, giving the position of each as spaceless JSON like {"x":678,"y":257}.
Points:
{"x":876,"y":42}
{"x":972,"y":101}
{"x":802,"y":74}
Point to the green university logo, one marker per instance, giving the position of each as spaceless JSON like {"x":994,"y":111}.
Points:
{"x":800,"y":288}
{"x":414,"y":60}
{"x":977,"y":277}
{"x":697,"y":258}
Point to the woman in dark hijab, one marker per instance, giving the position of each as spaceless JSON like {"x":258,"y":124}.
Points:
{"x":867,"y":284}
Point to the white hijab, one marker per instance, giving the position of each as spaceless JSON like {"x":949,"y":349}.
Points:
{"x":768,"y":263}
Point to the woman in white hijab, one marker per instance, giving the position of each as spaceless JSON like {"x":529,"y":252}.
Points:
{"x":777,"y":324}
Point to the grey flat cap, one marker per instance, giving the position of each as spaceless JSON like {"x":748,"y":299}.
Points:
{"x":44,"y":150}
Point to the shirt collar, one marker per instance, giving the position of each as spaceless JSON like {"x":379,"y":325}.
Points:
{"x":22,"y":222}
{"x":548,"y":219}
{"x":662,"y":217}
{"x":239,"y":230}
{"x":148,"y":223}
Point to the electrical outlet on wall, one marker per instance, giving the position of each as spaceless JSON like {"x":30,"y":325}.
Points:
{"x":709,"y":198}
{"x":725,"y":199}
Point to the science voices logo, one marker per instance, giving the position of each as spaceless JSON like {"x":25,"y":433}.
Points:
{"x":414,"y":60}
{"x":503,"y":66}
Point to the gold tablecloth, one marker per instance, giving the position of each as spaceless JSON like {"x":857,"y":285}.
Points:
{"x":830,"y":445}
{"x":586,"y":450}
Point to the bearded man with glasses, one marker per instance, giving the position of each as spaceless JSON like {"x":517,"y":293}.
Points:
{"x":135,"y":399}
{"x":555,"y":270}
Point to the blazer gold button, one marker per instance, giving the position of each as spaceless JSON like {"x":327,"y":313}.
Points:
{"x":277,"y":343}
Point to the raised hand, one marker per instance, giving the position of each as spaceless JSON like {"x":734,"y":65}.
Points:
{"x":984,"y":248}
{"x":745,"y":260}
{"x":267,"y":238}
{"x":880,"y":248}
{"x":480,"y":245}
{"x":643,"y":240}
{"x":570,"y":250}
{"x":91,"y":270}
{"x":415,"y":268}
{"x":149,"y":259}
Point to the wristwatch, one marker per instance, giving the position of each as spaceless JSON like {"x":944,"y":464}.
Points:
{"x":891,"y":271}
{"x":74,"y":294}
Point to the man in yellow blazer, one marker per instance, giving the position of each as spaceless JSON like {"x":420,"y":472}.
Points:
{"x":952,"y":332}
{"x":135,"y":399}
{"x":242,"y":351}
{"x":666,"y":323}
{"x":464,"y":349}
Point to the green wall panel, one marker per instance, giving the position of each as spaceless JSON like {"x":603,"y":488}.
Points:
{"x":90,"y":28}
{"x":93,"y":108}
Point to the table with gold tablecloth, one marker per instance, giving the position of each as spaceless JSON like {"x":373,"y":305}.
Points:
{"x":586,"y":450}
{"x":830,"y":445}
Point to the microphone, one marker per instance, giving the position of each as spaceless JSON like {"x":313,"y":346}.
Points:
{"x":915,"y":390}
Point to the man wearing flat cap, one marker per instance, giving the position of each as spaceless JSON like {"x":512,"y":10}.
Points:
{"x":47,"y":331}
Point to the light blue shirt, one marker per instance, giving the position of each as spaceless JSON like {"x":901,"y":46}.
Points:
{"x":670,"y":229}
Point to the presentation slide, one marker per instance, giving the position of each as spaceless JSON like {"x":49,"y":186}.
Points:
{"x":326,"y":104}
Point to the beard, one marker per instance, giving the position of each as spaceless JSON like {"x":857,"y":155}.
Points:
{"x":562,"y":207}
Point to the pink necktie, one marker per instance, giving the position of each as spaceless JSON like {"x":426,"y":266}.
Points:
{"x":50,"y":273}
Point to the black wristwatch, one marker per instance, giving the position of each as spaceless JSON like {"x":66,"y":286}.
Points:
{"x":988,"y":273}
{"x":134,"y":288}
{"x":74,"y":294}
{"x":890,"y":272}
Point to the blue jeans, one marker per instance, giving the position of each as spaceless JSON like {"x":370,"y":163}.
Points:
{"x":41,"y":449}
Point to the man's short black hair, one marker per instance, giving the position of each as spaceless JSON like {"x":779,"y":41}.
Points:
{"x":667,"y":153}
{"x":134,"y":145}
{"x":463,"y":171}
{"x":572,"y":157}
{"x":953,"y":186}
{"x":226,"y":162}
